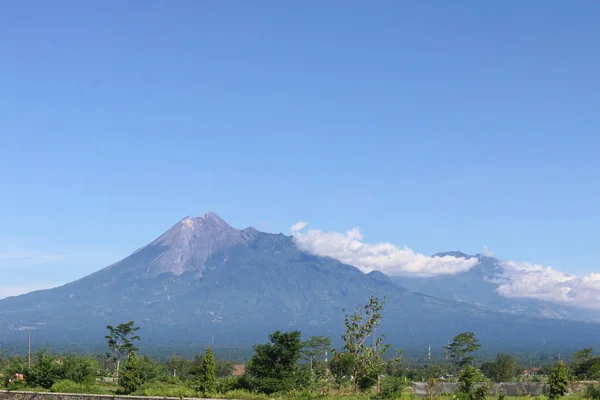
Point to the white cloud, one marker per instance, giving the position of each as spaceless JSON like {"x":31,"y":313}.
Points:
{"x":7,"y":291}
{"x":388,"y":258}
{"x":524,"y":280}
{"x":298,"y":226}
{"x":21,"y":258}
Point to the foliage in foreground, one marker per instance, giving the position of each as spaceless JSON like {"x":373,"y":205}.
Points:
{"x":559,"y":381}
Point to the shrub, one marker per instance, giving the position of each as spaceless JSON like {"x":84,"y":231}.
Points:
{"x":501,"y":394}
{"x":68,"y":386}
{"x":225,"y":385}
{"x":592,"y":392}
{"x":481,"y":392}
{"x":241,"y":394}
{"x":16,"y":385}
{"x":392,"y":386}
{"x":163,"y":390}
{"x":77,"y":369}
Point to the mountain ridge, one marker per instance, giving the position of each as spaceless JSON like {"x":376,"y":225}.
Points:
{"x":479,"y":286}
{"x":203,"y":278}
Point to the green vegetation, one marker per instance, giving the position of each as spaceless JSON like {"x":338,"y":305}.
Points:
{"x":559,"y":381}
{"x":289,"y":368}
{"x":504,"y":369}
{"x":206,"y":373}
{"x":367,"y":356}
{"x":461,"y":348}
{"x":130,"y":380}
{"x":273,"y":368}
{"x":120,"y":342}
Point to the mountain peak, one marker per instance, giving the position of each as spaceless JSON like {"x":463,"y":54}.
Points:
{"x":457,"y":254}
{"x":213,"y":218}
{"x":189,"y":243}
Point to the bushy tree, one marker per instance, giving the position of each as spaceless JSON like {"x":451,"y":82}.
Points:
{"x":585,"y":364}
{"x":467,"y":380}
{"x":461,"y":348}
{"x":559,"y":381}
{"x":224,"y":369}
{"x":206,"y":373}
{"x":340,"y":366}
{"x":150,"y":370}
{"x":77,"y":369}
{"x":273,"y":365}
{"x":501,"y":370}
{"x":179,"y":367}
{"x":44,"y":370}
{"x":130,"y":379}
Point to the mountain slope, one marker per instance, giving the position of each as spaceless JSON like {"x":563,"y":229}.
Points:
{"x":204,"y":280}
{"x":477,"y":286}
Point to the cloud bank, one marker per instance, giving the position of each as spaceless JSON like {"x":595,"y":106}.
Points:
{"x":524,"y":280}
{"x":514,"y":279}
{"x":388,"y":258}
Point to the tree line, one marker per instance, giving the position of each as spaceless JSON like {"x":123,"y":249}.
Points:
{"x":285,"y":363}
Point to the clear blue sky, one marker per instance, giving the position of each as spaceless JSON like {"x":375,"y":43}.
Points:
{"x":439,"y":125}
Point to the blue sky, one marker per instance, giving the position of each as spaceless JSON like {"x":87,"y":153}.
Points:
{"x":433,"y":124}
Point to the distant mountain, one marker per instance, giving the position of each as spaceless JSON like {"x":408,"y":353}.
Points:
{"x":204,"y":281}
{"x":477,"y":286}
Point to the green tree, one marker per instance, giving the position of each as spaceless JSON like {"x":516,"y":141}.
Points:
{"x":179,"y":367}
{"x":130,"y":380}
{"x":150,"y":369}
{"x":394,"y":366}
{"x":559,"y":381}
{"x":461,"y":348}
{"x":501,"y":370}
{"x":206,"y":375}
{"x":367,"y":356}
{"x":120,"y":342}
{"x":77,"y":369}
{"x":585,"y":364}
{"x":273,"y":365}
{"x":583,"y":355}
{"x":44,"y":370}
{"x":315,"y":347}
{"x":340,"y":366}
{"x":223,"y":369}
{"x":467,"y":380}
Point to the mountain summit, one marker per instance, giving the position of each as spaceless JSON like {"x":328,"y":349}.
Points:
{"x":190,"y":243}
{"x":204,"y":279}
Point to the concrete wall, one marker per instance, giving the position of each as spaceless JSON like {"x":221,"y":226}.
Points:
{"x":14,"y":395}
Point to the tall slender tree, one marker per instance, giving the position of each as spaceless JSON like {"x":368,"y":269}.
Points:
{"x":206,"y":377}
{"x":367,"y":355}
{"x":120,"y":342}
{"x":315,"y":347}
